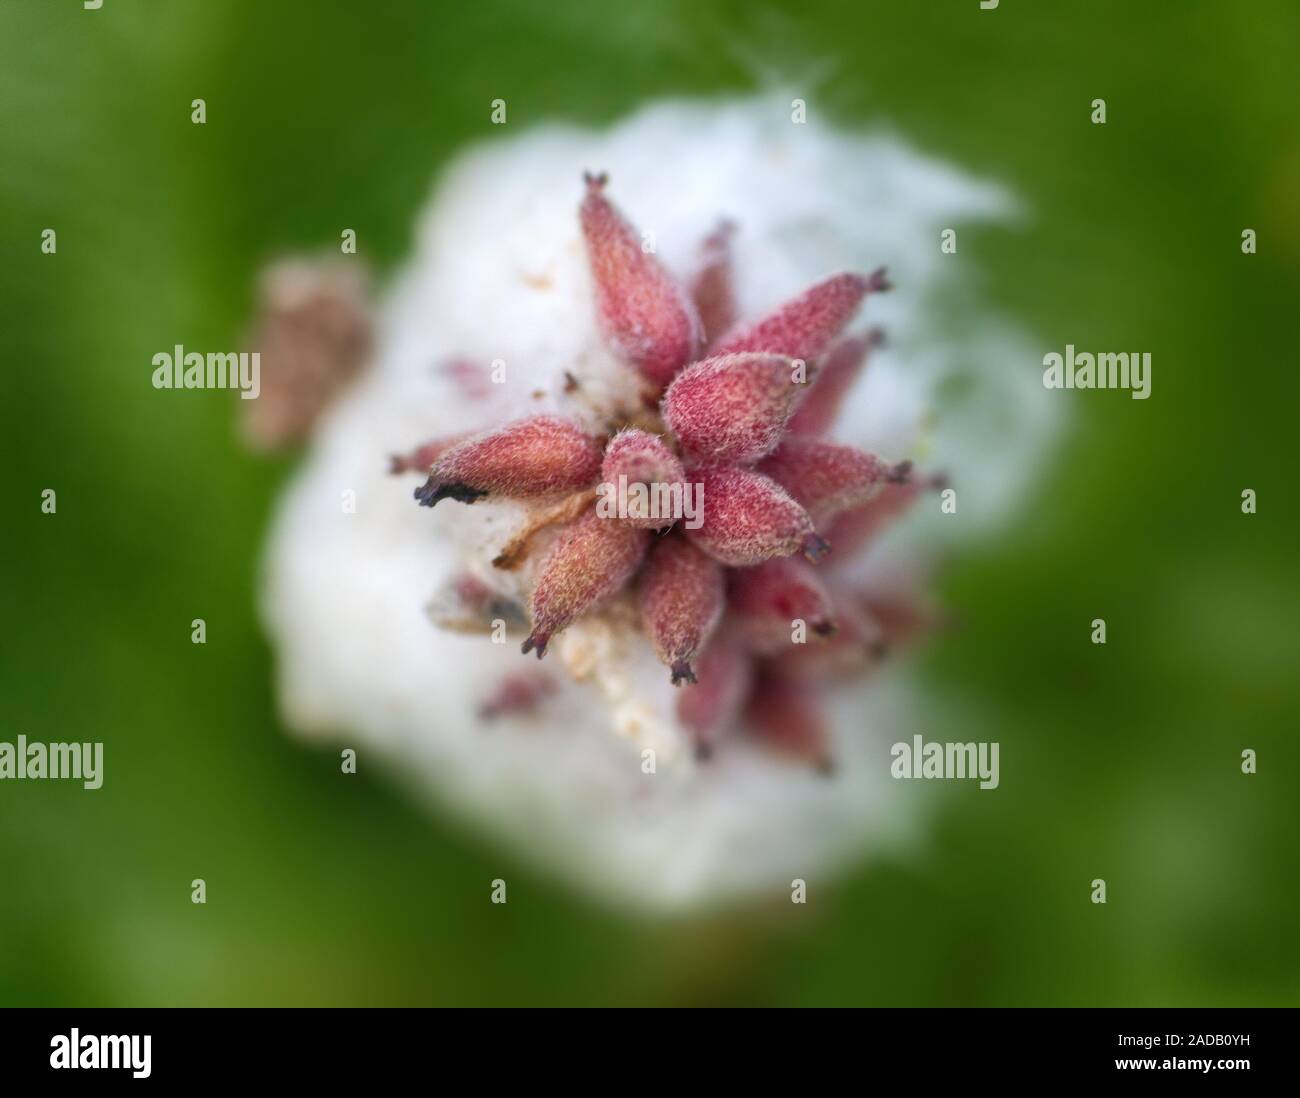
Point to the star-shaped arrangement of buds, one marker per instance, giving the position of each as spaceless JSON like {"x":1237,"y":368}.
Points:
{"x":734,"y":414}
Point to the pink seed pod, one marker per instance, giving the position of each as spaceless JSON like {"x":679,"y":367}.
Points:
{"x":592,"y":559}
{"x":712,"y":289}
{"x":466,"y":604}
{"x":473,"y":380}
{"x":856,"y":528}
{"x":315,"y":334}
{"x":901,"y":618}
{"x":519,"y":693}
{"x":748,"y":518}
{"x":785,"y":716}
{"x":858,"y":644}
{"x":643,"y":459}
{"x":644,"y":315}
{"x":422,"y":457}
{"x":836,"y":373}
{"x":768,"y":602}
{"x":733,"y":407}
{"x":897,"y":600}
{"x":537,"y":456}
{"x":827,"y":478}
{"x":707,"y":709}
{"x":805,"y":327}
{"x":681,"y":602}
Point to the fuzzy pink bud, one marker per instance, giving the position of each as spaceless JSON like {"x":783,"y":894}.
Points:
{"x":314,"y":333}
{"x":857,"y":527}
{"x":733,"y":407}
{"x":769,"y":602}
{"x":711,"y":289}
{"x":592,"y":559}
{"x":473,"y":380}
{"x":708,"y":708}
{"x":785,"y":716}
{"x":805,"y":327}
{"x":465,"y":603}
{"x":858,"y":644}
{"x":642,"y":459}
{"x":836,"y":373}
{"x":681,"y":602}
{"x":421,"y":459}
{"x":537,"y":456}
{"x":748,"y":518}
{"x":644,"y":315}
{"x":900,"y":616}
{"x":519,"y":693}
{"x":827,"y":478}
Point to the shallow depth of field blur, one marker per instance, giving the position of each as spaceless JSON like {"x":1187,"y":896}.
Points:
{"x":1119,"y":762}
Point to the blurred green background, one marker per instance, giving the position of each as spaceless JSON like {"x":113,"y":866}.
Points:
{"x":1119,"y":761}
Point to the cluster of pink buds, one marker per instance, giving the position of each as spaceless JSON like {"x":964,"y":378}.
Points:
{"x":744,"y":604}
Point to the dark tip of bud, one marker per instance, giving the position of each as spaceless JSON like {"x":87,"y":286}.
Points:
{"x":814,"y":547}
{"x":396,"y":464}
{"x":431,"y":491}
{"x":595,"y":180}
{"x":825,"y":767}
{"x":876,"y":337}
{"x":939,"y":482}
{"x":723,"y":231}
{"x":878,"y":650}
{"x":899,"y":473}
{"x":703,"y":751}
{"x":878,"y":282}
{"x":536,"y":640}
{"x":825,"y":628}
{"x":681,"y":671}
